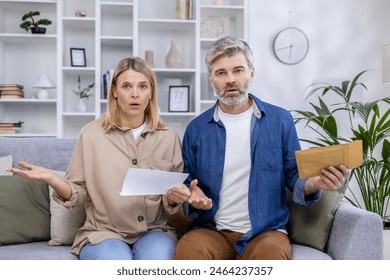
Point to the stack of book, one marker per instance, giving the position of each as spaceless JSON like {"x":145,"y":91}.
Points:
{"x":10,"y":127}
{"x":185,"y":9}
{"x":11,"y":91}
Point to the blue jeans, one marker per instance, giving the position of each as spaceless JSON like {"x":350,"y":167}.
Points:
{"x":153,"y":245}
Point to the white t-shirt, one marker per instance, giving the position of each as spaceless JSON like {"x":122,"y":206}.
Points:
{"x":233,"y":213}
{"x":137,"y":131}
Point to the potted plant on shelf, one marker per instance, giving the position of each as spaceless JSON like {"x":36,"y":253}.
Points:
{"x":30,"y":24}
{"x":82,"y":93}
{"x":369,"y":122}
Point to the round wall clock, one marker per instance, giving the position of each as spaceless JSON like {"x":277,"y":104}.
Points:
{"x":291,"y":45}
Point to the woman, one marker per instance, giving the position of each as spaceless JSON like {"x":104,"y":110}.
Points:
{"x":130,"y":135}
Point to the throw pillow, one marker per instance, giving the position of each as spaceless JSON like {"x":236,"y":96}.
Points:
{"x":5,"y":162}
{"x":25,"y":210}
{"x":64,"y":221}
{"x":311,"y":225}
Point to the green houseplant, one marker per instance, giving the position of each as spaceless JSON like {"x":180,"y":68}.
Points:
{"x":30,"y":24}
{"x":83,"y":92}
{"x":369,"y":122}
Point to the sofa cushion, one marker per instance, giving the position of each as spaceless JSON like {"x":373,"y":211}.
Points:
{"x":36,"y":251}
{"x":64,"y":221}
{"x":311,"y":225}
{"x":25,"y":210}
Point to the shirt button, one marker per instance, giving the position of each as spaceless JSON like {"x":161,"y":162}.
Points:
{"x":140,"y":218}
{"x":134,"y":161}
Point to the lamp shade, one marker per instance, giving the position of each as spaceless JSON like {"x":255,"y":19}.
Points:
{"x":386,"y":63}
{"x":44,"y":81}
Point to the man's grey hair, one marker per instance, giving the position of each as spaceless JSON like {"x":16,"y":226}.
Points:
{"x":226,"y":47}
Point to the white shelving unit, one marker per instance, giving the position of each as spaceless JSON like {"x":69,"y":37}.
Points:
{"x":110,"y":31}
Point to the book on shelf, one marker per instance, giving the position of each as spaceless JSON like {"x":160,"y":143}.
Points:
{"x":10,"y":127}
{"x":13,"y":130}
{"x":185,"y":9}
{"x":11,"y":91}
{"x":106,"y":82}
{"x":10,"y":86}
{"x":11,"y":94}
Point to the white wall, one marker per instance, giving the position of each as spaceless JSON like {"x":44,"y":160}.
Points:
{"x":346,"y":37}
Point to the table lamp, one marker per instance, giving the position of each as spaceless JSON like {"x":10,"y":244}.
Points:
{"x":43,"y":83}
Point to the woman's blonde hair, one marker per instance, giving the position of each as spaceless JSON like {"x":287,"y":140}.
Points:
{"x":113,"y":116}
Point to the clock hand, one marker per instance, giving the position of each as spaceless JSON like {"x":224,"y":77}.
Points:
{"x":288,"y":47}
{"x":291,"y":46}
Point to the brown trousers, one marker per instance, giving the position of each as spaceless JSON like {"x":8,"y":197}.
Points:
{"x":205,"y":244}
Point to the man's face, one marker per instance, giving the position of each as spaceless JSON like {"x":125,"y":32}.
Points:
{"x":230,"y":78}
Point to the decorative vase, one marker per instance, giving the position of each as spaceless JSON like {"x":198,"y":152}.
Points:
{"x":81,"y":107}
{"x":173,"y":58}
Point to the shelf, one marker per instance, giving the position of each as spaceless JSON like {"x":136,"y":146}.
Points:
{"x":16,"y":38}
{"x":79,"y":22}
{"x":110,"y":31}
{"x":120,"y":41}
{"x":78,"y":70}
{"x":75,"y":114}
{"x":29,"y":100}
{"x":167,"y":24}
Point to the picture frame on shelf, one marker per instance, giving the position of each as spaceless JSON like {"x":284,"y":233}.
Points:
{"x":179,"y":99}
{"x":77,"y":57}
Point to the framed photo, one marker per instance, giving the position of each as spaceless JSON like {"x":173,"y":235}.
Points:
{"x":77,"y":57}
{"x":178,"y":99}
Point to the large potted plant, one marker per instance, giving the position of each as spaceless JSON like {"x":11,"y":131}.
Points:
{"x":33,"y":25}
{"x":369,"y":122}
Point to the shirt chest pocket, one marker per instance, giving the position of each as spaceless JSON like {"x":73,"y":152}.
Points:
{"x":158,"y":164}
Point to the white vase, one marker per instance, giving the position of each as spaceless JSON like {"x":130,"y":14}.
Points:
{"x":173,"y":58}
{"x":81,"y":107}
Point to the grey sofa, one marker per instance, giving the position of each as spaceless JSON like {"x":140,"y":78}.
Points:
{"x":355,"y":233}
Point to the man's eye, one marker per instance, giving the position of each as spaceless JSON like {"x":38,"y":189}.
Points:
{"x":219,"y":74}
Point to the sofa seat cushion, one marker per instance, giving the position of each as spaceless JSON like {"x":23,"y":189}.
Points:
{"x":36,"y":251}
{"x":300,"y":252}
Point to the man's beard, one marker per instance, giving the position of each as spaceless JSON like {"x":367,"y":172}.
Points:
{"x":233,"y":100}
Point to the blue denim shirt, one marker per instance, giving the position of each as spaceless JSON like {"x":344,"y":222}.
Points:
{"x":274,"y":141}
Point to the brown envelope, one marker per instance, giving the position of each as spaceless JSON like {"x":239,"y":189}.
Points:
{"x":311,"y":161}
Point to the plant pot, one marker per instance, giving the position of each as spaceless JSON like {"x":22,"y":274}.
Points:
{"x":81,"y":107}
{"x":38,"y":30}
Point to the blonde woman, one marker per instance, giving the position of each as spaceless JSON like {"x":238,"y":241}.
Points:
{"x":130,"y":135}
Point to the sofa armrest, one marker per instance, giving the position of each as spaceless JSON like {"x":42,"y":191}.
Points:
{"x":356,"y":234}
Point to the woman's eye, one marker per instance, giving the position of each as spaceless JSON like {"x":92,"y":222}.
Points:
{"x":143,"y":87}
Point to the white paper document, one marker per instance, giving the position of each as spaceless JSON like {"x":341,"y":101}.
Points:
{"x":150,"y":182}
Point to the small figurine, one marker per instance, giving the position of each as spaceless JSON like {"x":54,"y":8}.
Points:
{"x":80,"y":13}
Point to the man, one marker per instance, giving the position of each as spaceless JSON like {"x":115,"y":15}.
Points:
{"x":240,"y":156}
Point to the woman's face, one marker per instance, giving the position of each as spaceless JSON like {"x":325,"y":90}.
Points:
{"x":133,"y":92}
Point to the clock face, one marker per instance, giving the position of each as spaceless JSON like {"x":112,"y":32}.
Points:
{"x":291,"y":45}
